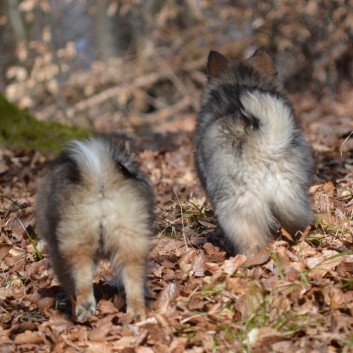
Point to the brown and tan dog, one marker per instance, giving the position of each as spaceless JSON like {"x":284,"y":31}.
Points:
{"x":95,"y":203}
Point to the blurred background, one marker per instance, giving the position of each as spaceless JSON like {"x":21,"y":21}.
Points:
{"x":130,"y":65}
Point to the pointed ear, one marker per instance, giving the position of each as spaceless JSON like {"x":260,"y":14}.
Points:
{"x":263,"y":61}
{"x":217,"y":64}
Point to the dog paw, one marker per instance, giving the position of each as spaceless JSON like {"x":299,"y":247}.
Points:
{"x":137,"y":312}
{"x":85,"y":310}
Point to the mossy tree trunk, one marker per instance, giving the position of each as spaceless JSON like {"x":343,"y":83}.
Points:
{"x":20,"y":130}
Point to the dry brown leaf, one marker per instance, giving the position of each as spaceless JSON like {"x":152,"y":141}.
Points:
{"x":12,"y":291}
{"x":178,"y":345}
{"x":270,"y":282}
{"x":3,"y":167}
{"x":262,"y":256}
{"x":319,"y":265}
{"x":144,"y":350}
{"x":168,"y":264}
{"x":166,"y":246}
{"x":233,"y":264}
{"x":303,"y":249}
{"x":292,"y":274}
{"x":198,"y":265}
{"x":207,"y":224}
{"x":98,"y":347}
{"x":29,"y":337}
{"x":124,"y":342}
{"x":308,"y":307}
{"x":169,"y":292}
{"x":57,"y":321}
{"x":45,"y":303}
{"x":158,"y":334}
{"x":214,"y":254}
{"x":212,"y":266}
{"x":203,"y":339}
{"x":185,"y":262}
{"x":283,"y":347}
{"x":298,"y":266}
{"x":315,"y":188}
{"x":328,"y":186}
{"x":344,"y":267}
{"x":262,"y":339}
{"x":281,"y":305}
{"x":22,"y":327}
{"x":4,"y":250}
{"x":101,"y":331}
{"x":283,"y":258}
{"x":169,"y":275}
{"x":348,"y":298}
{"x":340,"y":322}
{"x":107,"y":307}
{"x":248,"y":304}
{"x":36,"y":269}
{"x":237,"y":285}
{"x":334,"y":297}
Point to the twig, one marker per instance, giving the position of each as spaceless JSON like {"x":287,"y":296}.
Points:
{"x":20,"y":207}
{"x":345,"y":140}
{"x":182,"y":218}
{"x":163,"y":113}
{"x":101,"y":97}
{"x":191,"y":317}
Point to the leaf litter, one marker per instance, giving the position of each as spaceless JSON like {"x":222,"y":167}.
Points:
{"x":290,"y":297}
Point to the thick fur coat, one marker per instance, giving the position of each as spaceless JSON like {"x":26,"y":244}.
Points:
{"x":251,"y":157}
{"x":95,"y":203}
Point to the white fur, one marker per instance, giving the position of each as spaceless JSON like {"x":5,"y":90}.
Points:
{"x":277,"y":121}
{"x":89,"y":154}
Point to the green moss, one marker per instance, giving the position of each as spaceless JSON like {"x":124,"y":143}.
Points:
{"x":20,"y":130}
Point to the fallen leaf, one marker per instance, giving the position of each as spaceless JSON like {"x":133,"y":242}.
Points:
{"x":262,"y":339}
{"x":185,"y":262}
{"x":319,"y":265}
{"x":169,"y":292}
{"x":283,"y":258}
{"x":262,"y":256}
{"x":144,"y":350}
{"x":45,"y":303}
{"x":29,"y":337}
{"x":107,"y":307}
{"x":4,"y":250}
{"x":101,"y":331}
{"x":198,"y":265}
{"x":214,"y":254}
{"x":233,"y":264}
{"x":236,"y":285}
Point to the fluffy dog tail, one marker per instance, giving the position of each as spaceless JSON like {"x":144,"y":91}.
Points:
{"x":100,"y":163}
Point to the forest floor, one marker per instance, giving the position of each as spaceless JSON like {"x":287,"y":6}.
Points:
{"x":291,"y":297}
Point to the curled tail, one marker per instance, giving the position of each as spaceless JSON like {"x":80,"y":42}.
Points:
{"x":93,"y":158}
{"x":97,"y":162}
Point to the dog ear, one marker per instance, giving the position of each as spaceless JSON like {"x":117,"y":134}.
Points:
{"x":217,"y":64}
{"x":263,"y":61}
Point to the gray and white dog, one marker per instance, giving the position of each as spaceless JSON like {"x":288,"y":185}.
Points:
{"x":251,"y":157}
{"x":94,"y":203}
